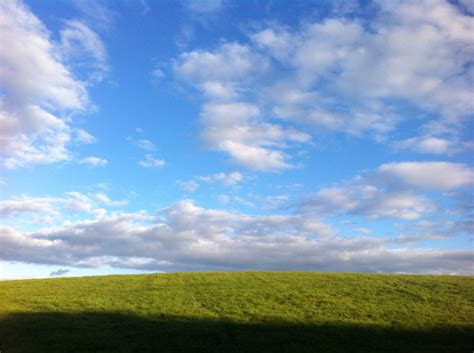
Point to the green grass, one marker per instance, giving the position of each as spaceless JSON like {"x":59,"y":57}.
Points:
{"x":238,"y":312}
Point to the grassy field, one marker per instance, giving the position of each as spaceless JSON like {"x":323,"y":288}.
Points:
{"x":238,"y":312}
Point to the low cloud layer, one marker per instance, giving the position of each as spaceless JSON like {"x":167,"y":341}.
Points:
{"x":191,"y":238}
{"x":185,"y":236}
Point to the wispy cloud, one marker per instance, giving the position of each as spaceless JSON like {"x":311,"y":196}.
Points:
{"x":146,"y":145}
{"x":189,"y":186}
{"x":94,"y":161}
{"x":151,"y":162}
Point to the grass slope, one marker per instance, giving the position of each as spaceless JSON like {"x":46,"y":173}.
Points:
{"x":238,"y":312}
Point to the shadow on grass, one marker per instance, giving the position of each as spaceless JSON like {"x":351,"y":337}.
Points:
{"x":111,"y":332}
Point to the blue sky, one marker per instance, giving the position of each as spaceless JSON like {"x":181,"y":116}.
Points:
{"x":228,"y":135}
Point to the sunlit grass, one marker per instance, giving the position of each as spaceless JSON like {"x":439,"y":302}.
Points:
{"x":247,"y":311}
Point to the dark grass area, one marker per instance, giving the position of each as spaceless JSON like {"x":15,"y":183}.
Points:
{"x":110,"y":332}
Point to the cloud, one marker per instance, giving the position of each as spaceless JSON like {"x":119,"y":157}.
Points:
{"x":82,"y":136}
{"x":189,"y":186}
{"x":54,"y":209}
{"x":393,"y":190}
{"x":83,"y":48}
{"x":188,"y":237}
{"x":104,"y":199}
{"x":39,"y":93}
{"x":416,"y":52}
{"x":338,"y":74}
{"x":94,"y":161}
{"x":151,"y":162}
{"x":429,"y":175}
{"x":157,"y":74}
{"x":236,"y":129}
{"x":359,"y":198}
{"x":60,"y":272}
{"x":229,"y":123}
{"x":231,"y":178}
{"x":428,"y":144}
{"x":146,"y":145}
{"x":204,"y":6}
{"x":434,"y":230}
{"x":96,"y":13}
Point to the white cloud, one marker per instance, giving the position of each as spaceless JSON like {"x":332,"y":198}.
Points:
{"x":237,"y":129}
{"x":229,"y":123}
{"x":96,"y":13}
{"x":39,"y":91}
{"x":151,"y":162}
{"x":82,"y":136}
{"x":146,"y":145}
{"x":94,"y":161}
{"x":228,"y":179}
{"x":189,"y":186}
{"x":188,"y":237}
{"x":430,"y":175}
{"x":360,"y":198}
{"x":393,"y":190}
{"x":434,"y":230}
{"x":104,"y":199}
{"x":231,"y":62}
{"x":48,"y":210}
{"x":231,"y":178}
{"x":83,"y":48}
{"x":428,"y":144}
{"x":338,"y":74}
{"x":157,"y":74}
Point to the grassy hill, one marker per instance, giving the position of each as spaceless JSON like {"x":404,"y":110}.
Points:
{"x":238,"y":312}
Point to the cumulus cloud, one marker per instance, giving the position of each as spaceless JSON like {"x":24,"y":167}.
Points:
{"x":359,"y":198}
{"x":94,"y":161}
{"x":393,"y":190}
{"x":229,"y":123}
{"x":151,"y":162}
{"x":338,"y":74}
{"x":428,"y":144}
{"x":39,"y":90}
{"x":188,"y":237}
{"x":430,"y":175}
{"x":237,"y":129}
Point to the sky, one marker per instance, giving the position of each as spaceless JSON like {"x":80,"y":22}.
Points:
{"x":214,"y":135}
